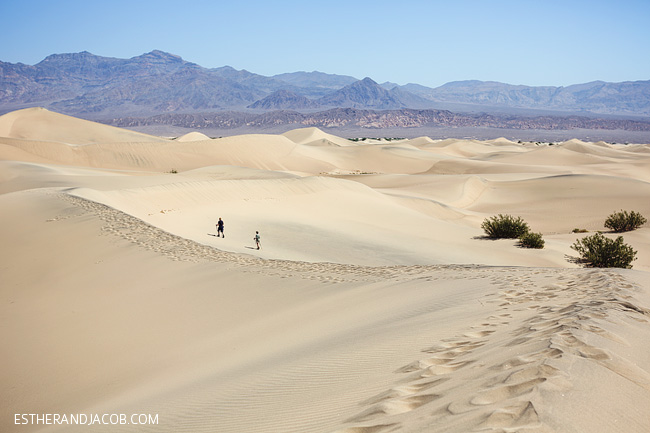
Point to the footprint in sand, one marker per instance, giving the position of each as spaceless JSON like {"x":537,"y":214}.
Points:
{"x":506,"y":392}
{"x":405,"y":390}
{"x":518,"y":415}
{"x":459,"y":346}
{"x":532,"y":373}
{"x":517,"y":361}
{"x":394,"y":407}
{"x":477,"y":334}
{"x":437,"y":370}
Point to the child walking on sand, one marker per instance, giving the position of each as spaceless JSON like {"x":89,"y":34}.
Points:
{"x":257,"y":239}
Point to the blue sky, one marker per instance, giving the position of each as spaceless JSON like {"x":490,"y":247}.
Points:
{"x":545,"y":42}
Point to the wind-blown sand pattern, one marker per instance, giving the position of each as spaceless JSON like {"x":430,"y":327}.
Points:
{"x":374,"y":305}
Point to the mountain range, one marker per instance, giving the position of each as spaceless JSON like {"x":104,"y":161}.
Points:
{"x":159,"y":88}
{"x":156,"y":83}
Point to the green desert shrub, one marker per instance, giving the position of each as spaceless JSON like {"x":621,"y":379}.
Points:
{"x":531,"y":240}
{"x":625,"y":221}
{"x":599,"y":251}
{"x":504,"y":226}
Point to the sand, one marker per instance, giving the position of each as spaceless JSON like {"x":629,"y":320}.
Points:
{"x":375,"y":304}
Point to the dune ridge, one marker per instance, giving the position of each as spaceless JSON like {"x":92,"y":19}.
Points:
{"x":40,"y":124}
{"x":374,"y":305}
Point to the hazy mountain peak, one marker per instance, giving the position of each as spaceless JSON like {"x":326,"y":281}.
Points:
{"x":315,"y":79}
{"x":160,"y":56}
{"x":368,"y":81}
{"x":67,"y":57}
{"x":389,"y":85}
{"x":468,"y":83}
{"x":364,"y":93}
{"x":284,"y":99}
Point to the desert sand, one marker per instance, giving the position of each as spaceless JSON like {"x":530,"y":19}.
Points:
{"x":374,"y":305}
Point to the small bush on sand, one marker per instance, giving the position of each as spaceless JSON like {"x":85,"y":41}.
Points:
{"x":625,"y":221}
{"x":600,"y":252}
{"x":531,"y":240}
{"x":504,"y":226}
{"x":580,"y":230}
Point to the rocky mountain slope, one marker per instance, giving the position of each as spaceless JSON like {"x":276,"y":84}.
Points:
{"x":368,"y":94}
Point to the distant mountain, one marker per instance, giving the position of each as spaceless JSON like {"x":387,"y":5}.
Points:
{"x":632,"y":97}
{"x":154,"y":82}
{"x":83,"y":84}
{"x":315,"y":84}
{"x":57,"y":77}
{"x":283,"y":100}
{"x":367,"y":93}
{"x":388,"y":85}
{"x":260,"y":83}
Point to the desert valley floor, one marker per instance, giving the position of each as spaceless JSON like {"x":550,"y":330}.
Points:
{"x":375,"y":304}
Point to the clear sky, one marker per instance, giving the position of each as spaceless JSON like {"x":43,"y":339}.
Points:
{"x":531,"y":42}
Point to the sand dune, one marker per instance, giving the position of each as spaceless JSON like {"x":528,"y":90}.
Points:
{"x":39,"y":124}
{"x":193,"y":136}
{"x":374,"y":305}
{"x":316,"y":137}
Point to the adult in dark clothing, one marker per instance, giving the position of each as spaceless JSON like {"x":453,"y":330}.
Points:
{"x":220,"y":228}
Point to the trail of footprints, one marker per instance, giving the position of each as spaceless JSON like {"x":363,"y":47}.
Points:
{"x":552,"y":323}
{"x":176,"y":248}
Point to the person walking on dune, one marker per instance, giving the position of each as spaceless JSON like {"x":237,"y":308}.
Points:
{"x":257,"y":239}
{"x":220,"y":228}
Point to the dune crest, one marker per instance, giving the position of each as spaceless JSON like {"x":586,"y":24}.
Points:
{"x":315,"y":137}
{"x":40,"y":124}
{"x":192,"y":136}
